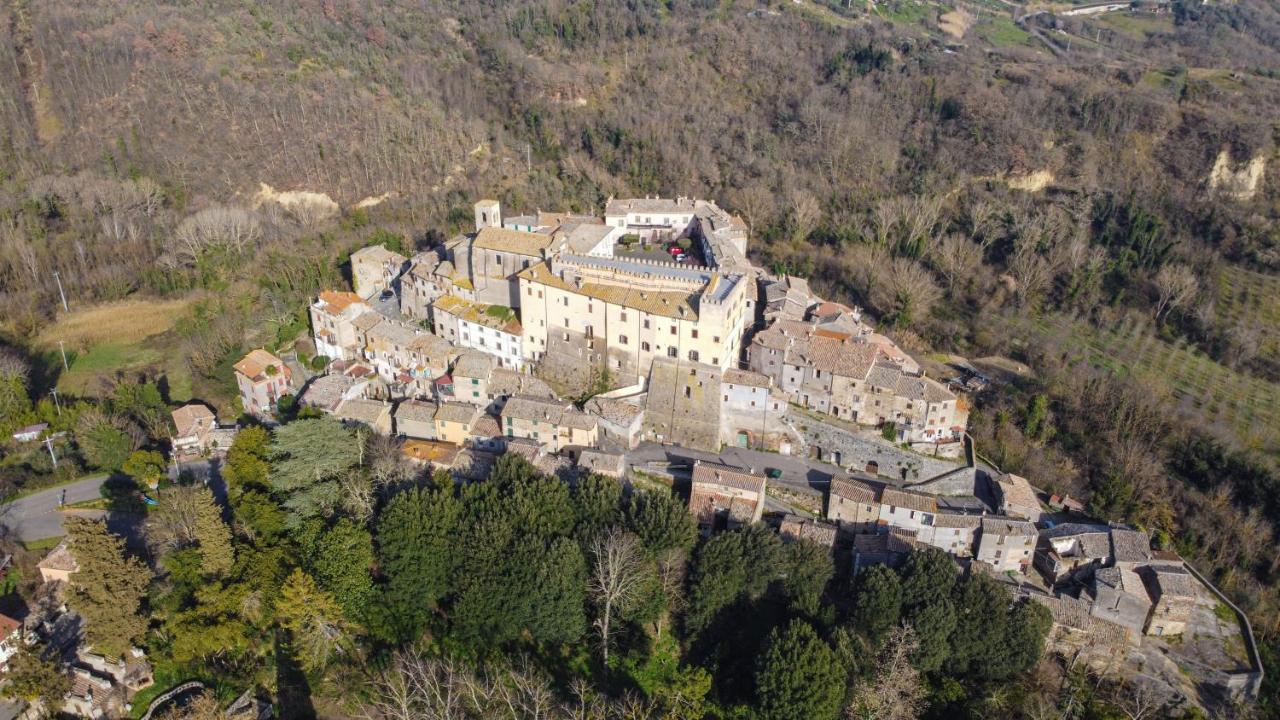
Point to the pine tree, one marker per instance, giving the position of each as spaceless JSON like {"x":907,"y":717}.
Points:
{"x":314,"y":620}
{"x":214,"y":537}
{"x":799,"y":676}
{"x":877,"y":601}
{"x":416,"y":535}
{"x":809,"y":568}
{"x":661,"y":521}
{"x":107,"y":588}
{"x":306,"y":458}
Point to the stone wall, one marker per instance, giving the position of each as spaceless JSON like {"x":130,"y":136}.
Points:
{"x":857,"y":451}
{"x":683,"y":404}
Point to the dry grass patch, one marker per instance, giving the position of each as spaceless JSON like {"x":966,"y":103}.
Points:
{"x":119,"y":323}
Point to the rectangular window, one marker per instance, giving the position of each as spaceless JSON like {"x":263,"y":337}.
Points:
{"x":644,"y":346}
{"x":624,"y":316}
{"x":673,"y":329}
{"x":622,"y":339}
{"x":646,"y":323}
{"x":715,"y":339}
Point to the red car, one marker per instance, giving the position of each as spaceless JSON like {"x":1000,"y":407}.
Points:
{"x":674,"y":250}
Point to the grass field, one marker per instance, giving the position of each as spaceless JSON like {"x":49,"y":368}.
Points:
{"x":1253,"y":299}
{"x":1246,"y":405}
{"x":1137,"y":25}
{"x":1001,"y":31}
{"x":124,"y":336}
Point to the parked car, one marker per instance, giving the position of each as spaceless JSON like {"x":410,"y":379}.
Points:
{"x":772,"y":473}
{"x":387,"y":294}
{"x":681,"y":257}
{"x":674,"y":249}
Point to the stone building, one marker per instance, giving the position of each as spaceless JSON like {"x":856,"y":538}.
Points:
{"x":1006,"y":544}
{"x":374,"y":269}
{"x":724,"y":497}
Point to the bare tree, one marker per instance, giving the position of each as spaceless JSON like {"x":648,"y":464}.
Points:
{"x":220,"y":226}
{"x":616,"y":573}
{"x":672,"y":567}
{"x":805,"y":214}
{"x":956,"y":257}
{"x":1176,"y":285}
{"x":895,"y":693}
{"x":1141,"y":699}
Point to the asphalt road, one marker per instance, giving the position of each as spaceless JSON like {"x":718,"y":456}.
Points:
{"x":798,"y":473}
{"x":36,"y":517}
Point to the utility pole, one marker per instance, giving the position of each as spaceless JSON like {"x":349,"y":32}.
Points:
{"x":48,"y":442}
{"x":56,"y":404}
{"x":63,"y":347}
{"x":528,"y":157}
{"x":58,"y":279}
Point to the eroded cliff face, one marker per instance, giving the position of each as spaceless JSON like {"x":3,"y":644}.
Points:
{"x":1239,"y":181}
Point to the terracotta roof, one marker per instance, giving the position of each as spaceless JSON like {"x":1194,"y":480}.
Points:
{"x":1007,"y":527}
{"x":377,"y":253}
{"x":717,"y":474}
{"x":458,"y":412}
{"x":797,"y":527}
{"x":619,"y":412}
{"x":474,"y":364}
{"x":415,"y":411}
{"x":550,"y":219}
{"x":479,"y":314}
{"x":513,"y":241}
{"x":505,"y":382}
{"x":486,"y":426}
{"x":664,"y":303}
{"x":189,"y":416}
{"x":957,"y":520}
{"x":1015,"y":490}
{"x":335,"y":301}
{"x":60,"y":558}
{"x":602,"y":462}
{"x":854,"y":490}
{"x":1174,"y":582}
{"x":1130,"y":546}
{"x":735,"y":376}
{"x":884,"y":376}
{"x":657,"y":206}
{"x":255,"y":364}
{"x":8,"y":626}
{"x":555,"y":412}
{"x":909,"y":500}
{"x":361,"y":410}
{"x":366,"y":321}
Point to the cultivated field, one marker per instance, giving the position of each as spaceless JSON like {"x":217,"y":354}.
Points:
{"x":1249,"y":299}
{"x":105,"y":340}
{"x":1240,"y":403}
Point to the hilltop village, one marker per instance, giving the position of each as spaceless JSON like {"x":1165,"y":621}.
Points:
{"x":645,"y":346}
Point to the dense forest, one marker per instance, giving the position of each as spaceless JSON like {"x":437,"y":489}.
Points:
{"x":1102,"y":212}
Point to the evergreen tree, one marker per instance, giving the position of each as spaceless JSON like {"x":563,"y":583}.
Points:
{"x":877,"y":601}
{"x":808,"y":569}
{"x":32,"y":678}
{"x":716,"y":579}
{"x":314,"y":620}
{"x":146,"y":466}
{"x":799,"y":676}
{"x":102,"y":440}
{"x":246,"y":464}
{"x":982,"y":614}
{"x":556,"y":591}
{"x":306,"y":457}
{"x":416,"y":536}
{"x":340,"y":558}
{"x":928,"y":575}
{"x":1027,"y":626}
{"x":661,"y":521}
{"x":597,"y":504}
{"x":212,"y":535}
{"x":933,"y":623}
{"x":107,"y":588}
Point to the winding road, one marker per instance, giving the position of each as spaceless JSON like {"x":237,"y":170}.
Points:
{"x":36,"y":516}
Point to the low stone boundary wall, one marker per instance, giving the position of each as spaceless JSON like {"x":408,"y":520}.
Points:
{"x":1240,"y":685}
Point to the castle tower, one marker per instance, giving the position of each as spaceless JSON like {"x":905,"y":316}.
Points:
{"x":488,"y":214}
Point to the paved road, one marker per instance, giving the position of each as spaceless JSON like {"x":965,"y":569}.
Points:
{"x":798,"y":473}
{"x":36,"y":517}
